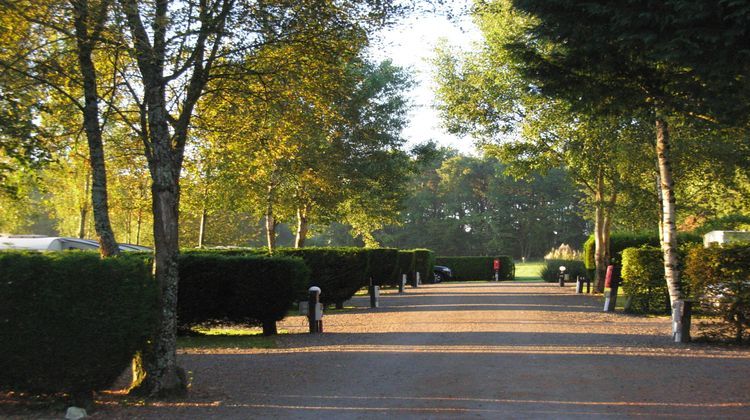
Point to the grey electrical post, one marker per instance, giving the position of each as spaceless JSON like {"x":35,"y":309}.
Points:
{"x":314,"y":310}
{"x":374,"y":294}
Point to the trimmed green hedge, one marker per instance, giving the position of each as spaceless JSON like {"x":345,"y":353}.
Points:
{"x":643,"y":281}
{"x":71,"y":321}
{"x":551,"y":270}
{"x":720,"y":279}
{"x":339,"y":272}
{"x":620,"y":240}
{"x":382,"y":265}
{"x":238,"y":289}
{"x":478,"y":268}
{"x":424,"y":261}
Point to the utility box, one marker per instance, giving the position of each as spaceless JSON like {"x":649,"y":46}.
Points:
{"x":722,"y":237}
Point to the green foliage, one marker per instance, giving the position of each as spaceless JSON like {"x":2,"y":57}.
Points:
{"x":478,"y":268}
{"x":720,"y":279}
{"x":339,"y":272}
{"x":618,"y":241}
{"x":424,"y":261}
{"x":729,"y":222}
{"x":71,"y":322}
{"x":551,"y":269}
{"x":589,"y":253}
{"x":238,"y":289}
{"x":643,"y":280}
{"x":461,"y":205}
{"x":382,"y":265}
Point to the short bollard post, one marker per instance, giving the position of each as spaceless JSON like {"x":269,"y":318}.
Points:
{"x":374,"y":295}
{"x":611,"y":285}
{"x":682,"y":311}
{"x":314,"y":310}
{"x":579,"y":284}
{"x":588,"y":285}
{"x":415,"y":277}
{"x":561,"y":277}
{"x":402,"y":284}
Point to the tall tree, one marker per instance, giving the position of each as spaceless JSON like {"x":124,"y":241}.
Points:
{"x":54,"y":35}
{"x":619,"y":57}
{"x":484,"y":93}
{"x":178,"y":47}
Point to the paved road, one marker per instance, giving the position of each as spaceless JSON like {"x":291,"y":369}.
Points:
{"x":476,"y":350}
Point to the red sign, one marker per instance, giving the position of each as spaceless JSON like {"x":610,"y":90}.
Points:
{"x":496,"y":265}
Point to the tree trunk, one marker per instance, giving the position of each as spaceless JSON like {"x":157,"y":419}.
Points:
{"x":139,"y":223}
{"x":157,"y":373}
{"x":84,"y":210}
{"x":270,"y":221}
{"x":669,"y":229}
{"x":202,"y":229}
{"x":601,"y":240}
{"x":102,"y":226}
{"x":269,"y":328}
{"x":302,"y":226}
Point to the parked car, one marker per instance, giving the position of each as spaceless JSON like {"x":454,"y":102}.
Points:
{"x":441,"y":273}
{"x":56,"y":243}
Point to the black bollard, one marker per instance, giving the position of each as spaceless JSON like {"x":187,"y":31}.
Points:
{"x":402,"y":284}
{"x":579,"y":284}
{"x":314,"y":310}
{"x":682,"y":311}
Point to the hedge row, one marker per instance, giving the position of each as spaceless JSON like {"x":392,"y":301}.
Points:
{"x":71,"y":322}
{"x":339,"y":272}
{"x":478,"y":268}
{"x":238,"y":289}
{"x":643,"y":281}
{"x":618,"y":241}
{"x":720,"y":279}
{"x":551,"y":270}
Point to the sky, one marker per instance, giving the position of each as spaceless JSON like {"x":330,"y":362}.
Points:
{"x":411,"y":44}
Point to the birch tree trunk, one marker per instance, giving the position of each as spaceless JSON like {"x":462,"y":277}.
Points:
{"x":99,"y":202}
{"x":668,"y":228}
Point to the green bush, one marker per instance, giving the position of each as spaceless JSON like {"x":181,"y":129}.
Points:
{"x":71,"y":321}
{"x":720,"y":279}
{"x":406,"y":265}
{"x":478,"y":268}
{"x":339,"y":272}
{"x":382,"y":265}
{"x":424,"y":261}
{"x":551,"y":270}
{"x":643,"y":280}
{"x":618,"y":241}
{"x":238,"y":289}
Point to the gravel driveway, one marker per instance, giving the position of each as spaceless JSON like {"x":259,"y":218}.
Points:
{"x":473,"y":350}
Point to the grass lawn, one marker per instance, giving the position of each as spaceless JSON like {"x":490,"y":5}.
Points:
{"x":226,"y":338}
{"x":529,"y":271}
